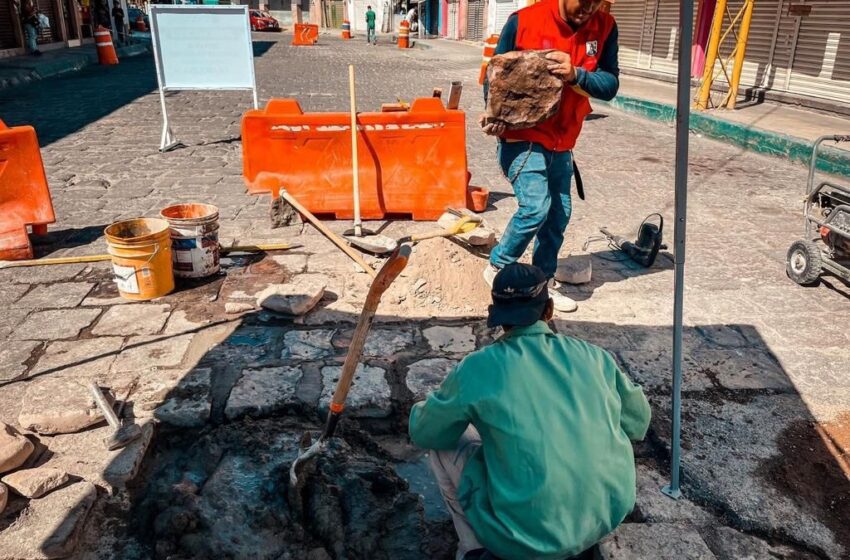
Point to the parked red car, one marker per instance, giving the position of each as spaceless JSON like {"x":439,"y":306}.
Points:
{"x":261,"y":21}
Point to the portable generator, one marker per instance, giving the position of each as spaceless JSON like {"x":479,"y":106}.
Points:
{"x":827,"y":212}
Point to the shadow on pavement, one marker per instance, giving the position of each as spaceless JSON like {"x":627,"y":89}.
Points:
{"x":214,"y":480}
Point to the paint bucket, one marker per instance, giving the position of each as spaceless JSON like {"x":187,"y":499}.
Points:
{"x":194,"y":239}
{"x":141,"y":257}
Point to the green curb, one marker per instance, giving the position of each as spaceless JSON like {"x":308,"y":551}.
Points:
{"x":830,"y":160}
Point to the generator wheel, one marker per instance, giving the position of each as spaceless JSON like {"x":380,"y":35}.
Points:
{"x":804,"y":263}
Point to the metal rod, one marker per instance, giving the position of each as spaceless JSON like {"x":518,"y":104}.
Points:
{"x":686,"y":9}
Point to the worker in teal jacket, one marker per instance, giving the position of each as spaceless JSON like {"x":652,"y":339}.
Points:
{"x":531,"y":435}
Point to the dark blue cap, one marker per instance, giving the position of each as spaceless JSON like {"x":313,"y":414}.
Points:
{"x":519,"y":296}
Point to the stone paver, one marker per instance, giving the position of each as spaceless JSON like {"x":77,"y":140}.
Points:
{"x":450,"y":339}
{"x":295,"y":298}
{"x":145,"y":352}
{"x":188,"y":404}
{"x":660,"y":541}
{"x":180,"y":323}
{"x":15,"y":449}
{"x":386,"y":342}
{"x":262,"y":391}
{"x":13,"y":357}
{"x":80,"y":358}
{"x":369,"y":395}
{"x":12,"y":293}
{"x":58,"y":405}
{"x":55,"y":324}
{"x":426,"y":375}
{"x":136,"y":319}
{"x":35,"y":483}
{"x":307,"y":345}
{"x":55,"y":296}
{"x":49,"y":527}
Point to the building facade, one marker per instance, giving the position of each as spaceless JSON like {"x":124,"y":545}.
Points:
{"x":797,"y":50}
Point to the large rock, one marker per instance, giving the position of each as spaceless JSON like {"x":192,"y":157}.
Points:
{"x":263,"y":391}
{"x":523,"y":93}
{"x":15,"y":449}
{"x":35,"y":483}
{"x":4,"y":497}
{"x":49,"y":527}
{"x":426,"y":375}
{"x":370,"y":395}
{"x":295,"y":298}
{"x":58,"y":405}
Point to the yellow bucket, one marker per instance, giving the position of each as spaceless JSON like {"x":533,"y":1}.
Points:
{"x":141,"y":257}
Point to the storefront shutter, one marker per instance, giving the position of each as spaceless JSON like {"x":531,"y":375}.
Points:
{"x":475,"y":20}
{"x":504,"y":9}
{"x":629,"y":16}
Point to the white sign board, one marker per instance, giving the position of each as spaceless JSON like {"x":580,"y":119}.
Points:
{"x":201,"y":48}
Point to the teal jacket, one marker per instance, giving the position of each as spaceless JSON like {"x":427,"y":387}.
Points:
{"x":555,"y":472}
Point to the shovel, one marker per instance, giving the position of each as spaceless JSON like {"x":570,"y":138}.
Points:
{"x":464,"y":225}
{"x":359,"y":237}
{"x":388,"y":273}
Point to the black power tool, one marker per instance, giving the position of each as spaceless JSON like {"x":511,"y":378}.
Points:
{"x":649,"y":241}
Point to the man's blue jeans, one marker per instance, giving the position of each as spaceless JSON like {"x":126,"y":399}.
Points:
{"x":541,"y":180}
{"x":371,"y":37}
{"x":31,"y":36}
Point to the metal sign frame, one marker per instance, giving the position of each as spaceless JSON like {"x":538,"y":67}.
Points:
{"x":167,"y":139}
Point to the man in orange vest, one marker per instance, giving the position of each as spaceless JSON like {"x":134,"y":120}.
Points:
{"x":539,"y":161}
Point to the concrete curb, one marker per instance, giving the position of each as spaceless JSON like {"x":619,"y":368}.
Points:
{"x":799,"y":150}
{"x":21,"y":71}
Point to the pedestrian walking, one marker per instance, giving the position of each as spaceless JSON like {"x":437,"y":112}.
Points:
{"x":30,"y":23}
{"x":539,"y":161}
{"x":530,"y":436}
{"x":118,"y":18}
{"x":371,"y":36}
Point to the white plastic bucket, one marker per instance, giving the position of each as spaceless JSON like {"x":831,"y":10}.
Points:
{"x":194,"y":239}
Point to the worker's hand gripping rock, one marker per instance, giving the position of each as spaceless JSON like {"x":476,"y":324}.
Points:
{"x":562,"y":66}
{"x":492,"y":128}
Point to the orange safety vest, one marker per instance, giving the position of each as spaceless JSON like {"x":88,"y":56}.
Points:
{"x":540,"y":26}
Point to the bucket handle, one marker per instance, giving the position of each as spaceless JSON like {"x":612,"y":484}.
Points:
{"x":135,"y":270}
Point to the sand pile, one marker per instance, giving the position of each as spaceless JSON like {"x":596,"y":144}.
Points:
{"x":442,"y":279}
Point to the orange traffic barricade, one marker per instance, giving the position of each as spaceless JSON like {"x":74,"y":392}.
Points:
{"x":305,"y":34}
{"x":404,"y":34}
{"x":489,"y":50}
{"x":24,"y":196}
{"x":105,"y":49}
{"x":410,"y":162}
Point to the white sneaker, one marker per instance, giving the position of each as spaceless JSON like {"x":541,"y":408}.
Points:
{"x":562,"y":303}
{"x":490,"y":273}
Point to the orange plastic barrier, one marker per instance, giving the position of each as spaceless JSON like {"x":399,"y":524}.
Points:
{"x":346,"y":29}
{"x":305,"y":34}
{"x":489,"y":51}
{"x":105,"y":49}
{"x":24,"y":196}
{"x":411,"y":162}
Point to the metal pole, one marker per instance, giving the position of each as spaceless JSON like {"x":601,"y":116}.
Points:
{"x":711,"y":55}
{"x":683,"y":105}
{"x":740,"y":51}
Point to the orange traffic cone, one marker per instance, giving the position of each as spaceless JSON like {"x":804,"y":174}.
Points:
{"x":105,"y":48}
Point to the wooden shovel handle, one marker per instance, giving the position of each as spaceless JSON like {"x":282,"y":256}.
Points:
{"x":388,"y":273}
{"x":335,"y":239}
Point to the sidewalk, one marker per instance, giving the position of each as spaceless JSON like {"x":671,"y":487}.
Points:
{"x":20,"y":70}
{"x":770,"y":128}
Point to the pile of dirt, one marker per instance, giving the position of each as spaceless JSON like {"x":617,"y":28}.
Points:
{"x":442,"y":279}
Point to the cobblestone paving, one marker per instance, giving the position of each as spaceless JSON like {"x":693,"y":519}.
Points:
{"x":767,"y":369}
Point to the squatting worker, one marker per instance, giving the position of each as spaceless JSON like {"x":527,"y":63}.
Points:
{"x":539,"y":161}
{"x":531,"y":434}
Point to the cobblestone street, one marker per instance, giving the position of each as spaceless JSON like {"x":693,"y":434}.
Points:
{"x":224,"y":389}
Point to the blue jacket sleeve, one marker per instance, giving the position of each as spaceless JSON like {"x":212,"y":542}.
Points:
{"x":507,"y":43}
{"x":603,"y":82}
